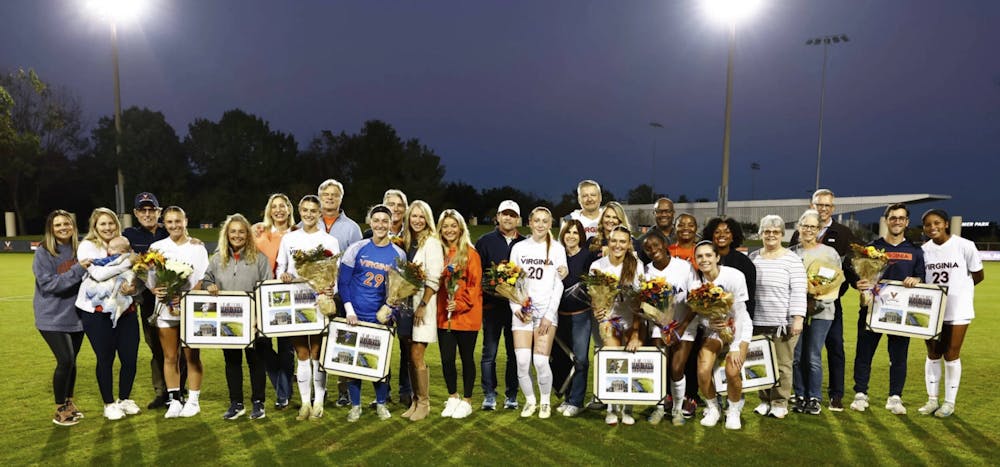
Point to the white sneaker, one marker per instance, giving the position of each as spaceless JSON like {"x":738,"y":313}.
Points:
{"x":733,"y":418}
{"x":562,"y":407}
{"x":174,"y":409}
{"x":128,"y":406}
{"x":354,"y":414}
{"x":945,"y":410}
{"x":191,"y":408}
{"x":449,"y":407}
{"x":677,"y":417}
{"x":528,"y":410}
{"x":861,"y":402}
{"x":627,"y":419}
{"x":779,"y":412}
{"x":611,"y":418}
{"x":382,"y":411}
{"x":657,"y":416}
{"x":762,"y":409}
{"x":544,"y":411}
{"x":710,"y":416}
{"x":895,"y":405}
{"x":571,"y":411}
{"x":930,"y":407}
{"x":462,"y":409}
{"x":304,"y":412}
{"x":113,"y":412}
{"x":317,"y":411}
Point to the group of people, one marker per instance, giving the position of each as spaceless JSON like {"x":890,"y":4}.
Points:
{"x":87,"y":287}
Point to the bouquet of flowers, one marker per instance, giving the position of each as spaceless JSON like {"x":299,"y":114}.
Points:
{"x":404,"y":282}
{"x":603,"y":290}
{"x":713,"y":302}
{"x":656,"y":305}
{"x":319,"y":267}
{"x":452,"y":279}
{"x":869,"y":263}
{"x":168,"y":273}
{"x":506,"y":280}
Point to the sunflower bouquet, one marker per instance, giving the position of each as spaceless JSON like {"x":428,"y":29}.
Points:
{"x":167,"y":273}
{"x":713,"y":302}
{"x":404,"y":282}
{"x":319,"y":267}
{"x":869,"y":263}
{"x":656,"y":305}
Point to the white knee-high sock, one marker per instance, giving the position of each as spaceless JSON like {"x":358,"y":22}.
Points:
{"x":319,"y":381}
{"x":952,"y":377}
{"x":544,"y":372}
{"x":524,"y":374}
{"x":932,"y":374}
{"x":303,"y":373}
{"x":677,"y":390}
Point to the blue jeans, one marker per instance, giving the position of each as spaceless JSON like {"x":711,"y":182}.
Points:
{"x":496,"y":321}
{"x":867,"y":344}
{"x":279,"y":366}
{"x":807,"y":371}
{"x":354,"y":389}
{"x":579,"y":341}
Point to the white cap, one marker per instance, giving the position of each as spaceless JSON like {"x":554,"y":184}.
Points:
{"x":508,"y":205}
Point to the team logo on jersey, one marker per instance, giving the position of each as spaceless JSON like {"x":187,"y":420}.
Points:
{"x":944,"y":265}
{"x":535,"y":261}
{"x":899,"y":255}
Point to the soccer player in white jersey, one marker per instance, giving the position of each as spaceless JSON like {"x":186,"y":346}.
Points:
{"x":588,"y":194}
{"x":534,"y":322}
{"x":681,"y":335}
{"x":952,"y":261}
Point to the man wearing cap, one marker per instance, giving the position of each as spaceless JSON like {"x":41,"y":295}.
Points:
{"x":147,"y":212}
{"x":494,"y":248}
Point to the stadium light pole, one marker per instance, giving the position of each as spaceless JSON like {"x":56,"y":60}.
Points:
{"x":731,"y":12}
{"x":825,"y":41}
{"x":754,"y":167}
{"x":114,"y":12}
{"x":652,"y":181}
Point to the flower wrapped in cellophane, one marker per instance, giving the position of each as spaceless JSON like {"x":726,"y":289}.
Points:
{"x":452,"y":278}
{"x":319,"y":267}
{"x":869,"y":263}
{"x":404,"y":282}
{"x":167,"y":273}
{"x":505,"y":280}
{"x":603,"y":290}
{"x":714,"y":303}
{"x":656,"y":305}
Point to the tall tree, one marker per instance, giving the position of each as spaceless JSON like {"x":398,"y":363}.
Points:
{"x":463,"y":198}
{"x":643,"y":194}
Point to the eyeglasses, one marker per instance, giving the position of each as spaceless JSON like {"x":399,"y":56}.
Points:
{"x":898,"y":219}
{"x":147,"y":210}
{"x":773,"y":233}
{"x":809,"y":227}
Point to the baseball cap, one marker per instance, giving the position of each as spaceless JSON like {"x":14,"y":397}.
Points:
{"x":146,"y":199}
{"x":508,"y":205}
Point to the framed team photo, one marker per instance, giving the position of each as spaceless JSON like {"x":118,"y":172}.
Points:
{"x":362,"y":351}
{"x":908,"y":311}
{"x":760,"y":369}
{"x":636,"y":378}
{"x":288,"y":309}
{"x":223,"y":321}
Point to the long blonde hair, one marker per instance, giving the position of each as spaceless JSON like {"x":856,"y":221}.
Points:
{"x":410,"y":237}
{"x":267,"y":210}
{"x":248,"y":253}
{"x":463,"y":242}
{"x":50,"y":232}
{"x":92,"y":229}
{"x":601,"y":238}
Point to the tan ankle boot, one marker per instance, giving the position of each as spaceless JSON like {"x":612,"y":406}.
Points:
{"x":413,"y":392}
{"x":424,"y":403}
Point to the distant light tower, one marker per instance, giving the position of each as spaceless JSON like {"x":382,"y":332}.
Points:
{"x":824,"y":41}
{"x":754,"y":168}
{"x":652,"y":183}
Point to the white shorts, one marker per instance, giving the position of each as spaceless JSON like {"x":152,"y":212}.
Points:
{"x":167,"y":323}
{"x":518,"y":325}
{"x":687,"y":334}
{"x":959,"y":322}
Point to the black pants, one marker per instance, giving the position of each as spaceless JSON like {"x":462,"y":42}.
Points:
{"x":106,"y":341}
{"x":234,"y":372}
{"x":151,"y":334}
{"x":465,"y":342}
{"x":65,"y":346}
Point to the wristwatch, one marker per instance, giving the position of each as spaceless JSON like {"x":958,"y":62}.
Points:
{"x":422,"y":304}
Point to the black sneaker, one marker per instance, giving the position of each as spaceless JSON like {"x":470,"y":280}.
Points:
{"x":813,"y":407}
{"x":797,"y":404}
{"x":236,"y":410}
{"x":343,"y":400}
{"x":160,"y":402}
{"x":281,"y":404}
{"x":596,"y":405}
{"x":258,"y":410}
{"x":836,"y":405}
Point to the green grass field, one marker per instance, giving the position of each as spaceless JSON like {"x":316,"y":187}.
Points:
{"x":847,"y":438}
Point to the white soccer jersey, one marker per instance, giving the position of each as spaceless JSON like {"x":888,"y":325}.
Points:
{"x":589,"y":225}
{"x":733,"y":281}
{"x":952,"y":264}
{"x":620,"y":309}
{"x":680,"y":275}
{"x":542,"y":281}
{"x":299,"y":240}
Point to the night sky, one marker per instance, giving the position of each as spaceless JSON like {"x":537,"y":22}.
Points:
{"x":540,"y":94}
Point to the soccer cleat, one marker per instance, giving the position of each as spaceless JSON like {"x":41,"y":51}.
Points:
{"x":449,"y":407}
{"x":529,"y":409}
{"x":258,"y":410}
{"x":836,"y":404}
{"x":544,"y":411}
{"x":946,"y":410}
{"x":710,"y":416}
{"x":611,"y":419}
{"x":382,"y":411}
{"x":860,"y":402}
{"x":490,"y":402}
{"x":657,"y":416}
{"x":895,"y":405}
{"x":354,"y":414}
{"x":813,"y":406}
{"x":510,"y":403}
{"x":778,"y":412}
{"x":763,"y":408}
{"x":64,"y":416}
{"x":304,"y":412}
{"x":929,"y":408}
{"x":128,"y":406}
{"x":462,"y":410}
{"x":191,"y":408}
{"x":677,"y":418}
{"x":174,"y":409}
{"x":571,"y":411}
{"x":236,"y":410}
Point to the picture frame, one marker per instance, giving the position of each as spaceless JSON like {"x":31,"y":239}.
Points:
{"x":760,"y":369}
{"x":288,"y":309}
{"x":362,"y":351}
{"x":908,"y":311}
{"x":223,"y":321}
{"x":634,"y":378}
